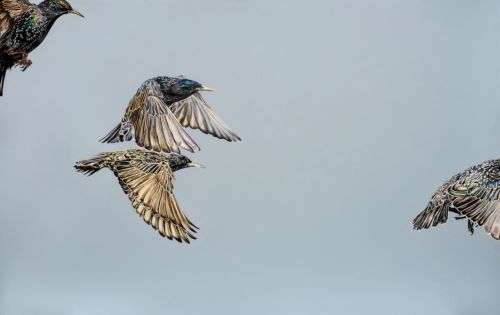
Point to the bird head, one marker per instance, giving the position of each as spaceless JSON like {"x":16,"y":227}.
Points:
{"x":178,"y":162}
{"x":186,"y":87}
{"x":59,"y":7}
{"x":175,"y":89}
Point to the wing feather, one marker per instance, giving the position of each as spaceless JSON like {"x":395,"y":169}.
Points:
{"x":195,"y":113}
{"x":479,"y":203}
{"x":156,"y":128}
{"x":10,"y":10}
{"x":149,"y":186}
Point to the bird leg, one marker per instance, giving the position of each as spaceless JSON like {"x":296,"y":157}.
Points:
{"x":470,"y":227}
{"x":470,"y":224}
{"x":20,"y":58}
{"x":15,"y":56}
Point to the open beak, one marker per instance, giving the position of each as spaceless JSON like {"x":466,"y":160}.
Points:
{"x":76,"y":13}
{"x":206,"y":88}
{"x":196,"y":165}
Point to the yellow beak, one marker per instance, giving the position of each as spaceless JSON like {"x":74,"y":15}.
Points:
{"x":196,"y":165}
{"x":76,"y":13}
{"x":206,"y":88}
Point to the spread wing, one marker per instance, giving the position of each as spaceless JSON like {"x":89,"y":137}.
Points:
{"x":194,"y":112}
{"x":479,"y":202}
{"x":149,"y":185}
{"x":155,"y":126}
{"x":434,"y":214}
{"x":11,"y":10}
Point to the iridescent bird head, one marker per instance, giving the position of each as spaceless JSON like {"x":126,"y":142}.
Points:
{"x":187,"y":87}
{"x":178,"y":162}
{"x":179,"y":88}
{"x":59,"y":7}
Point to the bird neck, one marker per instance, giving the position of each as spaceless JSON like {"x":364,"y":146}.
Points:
{"x":175,"y":167}
{"x":169,"y":99}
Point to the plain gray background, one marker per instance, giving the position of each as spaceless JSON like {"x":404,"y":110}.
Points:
{"x":351,"y":112}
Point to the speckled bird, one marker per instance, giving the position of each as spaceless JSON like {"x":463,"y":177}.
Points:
{"x":161,"y":108}
{"x":24,"y":26}
{"x":147,"y":178}
{"x":473,"y":194}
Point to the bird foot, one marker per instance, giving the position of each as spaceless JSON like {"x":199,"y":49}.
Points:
{"x":470,"y":227}
{"x":470,"y":224}
{"x":20,"y":58}
{"x":24,"y":63}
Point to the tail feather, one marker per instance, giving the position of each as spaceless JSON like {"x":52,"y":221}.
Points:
{"x":93,"y":165}
{"x":3,"y":71}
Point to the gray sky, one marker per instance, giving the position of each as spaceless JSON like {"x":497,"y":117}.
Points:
{"x":351,"y":112}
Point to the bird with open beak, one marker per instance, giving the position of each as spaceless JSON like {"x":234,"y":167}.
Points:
{"x":23,"y":27}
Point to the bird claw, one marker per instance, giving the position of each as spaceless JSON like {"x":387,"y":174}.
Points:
{"x":20,"y":58}
{"x":25,"y":64}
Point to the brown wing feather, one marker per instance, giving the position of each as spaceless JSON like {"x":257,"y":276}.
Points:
{"x":149,"y":186}
{"x":434,"y":214}
{"x":480,"y":204}
{"x":155,"y":126}
{"x":10,"y":10}
{"x":195,"y":113}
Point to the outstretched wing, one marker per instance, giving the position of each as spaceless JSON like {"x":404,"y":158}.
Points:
{"x":11,"y":10}
{"x":479,"y":201}
{"x":155,"y":126}
{"x":436,"y":211}
{"x":194,"y":112}
{"x":149,"y":185}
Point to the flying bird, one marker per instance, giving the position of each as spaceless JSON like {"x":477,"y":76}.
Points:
{"x":147,"y":178}
{"x":473,"y":194}
{"x":161,"y":108}
{"x":24,"y":26}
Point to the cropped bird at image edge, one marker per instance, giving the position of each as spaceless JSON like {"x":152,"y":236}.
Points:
{"x":23,"y":27}
{"x":473,"y":194}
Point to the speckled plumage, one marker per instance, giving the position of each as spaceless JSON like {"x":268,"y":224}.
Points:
{"x":473,"y":194}
{"x":23,"y":27}
{"x":147,"y":178}
{"x":161,"y":108}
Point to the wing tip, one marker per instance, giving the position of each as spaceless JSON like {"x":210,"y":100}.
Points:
{"x":113,"y":136}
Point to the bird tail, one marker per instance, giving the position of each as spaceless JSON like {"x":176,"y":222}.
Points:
{"x":431,"y":216}
{"x":93,"y":165}
{"x":3,"y":71}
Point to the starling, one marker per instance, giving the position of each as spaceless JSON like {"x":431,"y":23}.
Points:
{"x":23,"y":26}
{"x":159,"y":110}
{"x":147,"y":178}
{"x":473,"y":194}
